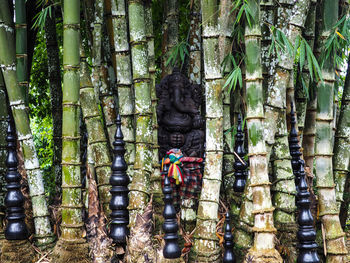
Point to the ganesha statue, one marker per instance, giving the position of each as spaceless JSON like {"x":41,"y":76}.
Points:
{"x":179,"y":118}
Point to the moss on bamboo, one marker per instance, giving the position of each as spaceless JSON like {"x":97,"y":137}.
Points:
{"x":139,"y":188}
{"x":206,"y":247}
{"x":118,"y":35}
{"x":259,"y":182}
{"x":98,"y":141}
{"x":72,"y":245}
{"x":335,"y":242}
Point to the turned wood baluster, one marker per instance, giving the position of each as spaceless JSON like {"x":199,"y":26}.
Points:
{"x":16,"y":228}
{"x":119,"y":181}
{"x":240,"y":168}
{"x":170,"y":226}
{"x":229,"y":257}
{"x":306,"y":233}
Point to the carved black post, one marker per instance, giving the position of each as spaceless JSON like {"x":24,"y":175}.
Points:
{"x":229,"y":257}
{"x":170,"y":227}
{"x":306,"y":233}
{"x":16,"y":228}
{"x":119,"y":181}
{"x":294,"y":148}
{"x":240,"y":168}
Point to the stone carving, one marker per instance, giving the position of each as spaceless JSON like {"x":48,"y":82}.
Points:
{"x":180,"y":122}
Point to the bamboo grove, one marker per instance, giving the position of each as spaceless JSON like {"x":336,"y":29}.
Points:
{"x":68,"y":68}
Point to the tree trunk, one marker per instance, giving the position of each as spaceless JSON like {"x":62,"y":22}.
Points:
{"x":17,"y":102}
{"x":72,"y":245}
{"x":328,"y":212}
{"x":118,"y":34}
{"x":264,"y":243}
{"x":54,"y":76}
{"x":206,"y":247}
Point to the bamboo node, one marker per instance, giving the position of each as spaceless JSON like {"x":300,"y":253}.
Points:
{"x":71,"y":138}
{"x":73,"y":164}
{"x":71,"y":186}
{"x":100,"y":165}
{"x":72,"y":225}
{"x":8,"y":67}
{"x":260,"y":184}
{"x":324,"y":119}
{"x":71,"y":104}
{"x":71,"y":26}
{"x":257,"y":154}
{"x":265,"y":230}
{"x":263,"y":211}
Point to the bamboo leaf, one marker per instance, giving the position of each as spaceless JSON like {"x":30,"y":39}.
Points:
{"x":302,"y":55}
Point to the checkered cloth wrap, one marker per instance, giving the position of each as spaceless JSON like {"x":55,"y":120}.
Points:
{"x":192,"y":185}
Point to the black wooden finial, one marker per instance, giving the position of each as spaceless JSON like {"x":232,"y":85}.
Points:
{"x":294,"y":148}
{"x":240,"y":167}
{"x":170,"y":226}
{"x":229,"y":257}
{"x":306,"y":233}
{"x":16,"y":228}
{"x":119,"y":181}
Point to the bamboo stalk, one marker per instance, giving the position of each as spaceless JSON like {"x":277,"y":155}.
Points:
{"x":17,"y":102}
{"x":195,"y":42}
{"x":54,"y":76}
{"x":118,"y":34}
{"x":98,"y":142}
{"x":264,"y":245}
{"x":170,"y":33}
{"x":206,"y":247}
{"x":300,"y":92}
{"x":21,"y":47}
{"x":341,"y":158}
{"x":328,"y":212}
{"x":139,"y":188}
{"x":156,"y":186}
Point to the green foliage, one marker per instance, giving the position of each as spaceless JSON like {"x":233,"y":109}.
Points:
{"x":177,"y":54}
{"x":39,"y":89}
{"x":43,"y":140}
{"x":337,"y":42}
{"x":279,"y":43}
{"x":47,"y":9}
{"x":242,"y":9}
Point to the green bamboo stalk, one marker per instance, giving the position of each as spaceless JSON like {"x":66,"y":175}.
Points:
{"x":21,"y":47}
{"x":195,"y":42}
{"x":139,"y":188}
{"x":264,"y":244}
{"x":72,"y":241}
{"x":156,"y":187}
{"x":206,"y":247}
{"x":98,"y":142}
{"x":300,"y":91}
{"x":118,"y":35}
{"x":170,"y":33}
{"x":97,"y":44}
{"x":3,"y":153}
{"x":341,"y":158}
{"x":54,"y":76}
{"x":328,"y":212}
{"x":17,"y":102}
{"x":225,"y":23}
